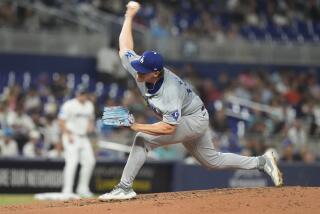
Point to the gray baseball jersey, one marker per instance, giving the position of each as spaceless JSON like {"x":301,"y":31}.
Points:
{"x":177,"y":104}
{"x":172,"y":100}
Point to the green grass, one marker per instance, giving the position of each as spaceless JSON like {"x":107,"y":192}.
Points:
{"x":13,"y":199}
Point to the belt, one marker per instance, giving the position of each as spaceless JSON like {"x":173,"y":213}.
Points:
{"x":79,"y":135}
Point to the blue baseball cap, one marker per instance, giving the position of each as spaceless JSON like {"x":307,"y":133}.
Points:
{"x":150,"y":61}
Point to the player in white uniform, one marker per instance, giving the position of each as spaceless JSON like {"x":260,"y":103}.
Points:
{"x":76,"y":119}
{"x":184,"y":118}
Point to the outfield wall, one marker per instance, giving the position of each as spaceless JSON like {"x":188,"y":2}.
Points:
{"x":38,"y":175}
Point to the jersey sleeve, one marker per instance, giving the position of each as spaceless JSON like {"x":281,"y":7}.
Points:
{"x":127,"y":58}
{"x":92,"y":111}
{"x":64,"y":112}
{"x":172,"y":115}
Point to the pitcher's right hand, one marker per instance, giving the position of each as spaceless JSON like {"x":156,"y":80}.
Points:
{"x":132,"y":8}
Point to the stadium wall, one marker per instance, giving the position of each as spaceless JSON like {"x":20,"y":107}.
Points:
{"x":46,"y":63}
{"x":37,"y":64}
{"x":38,"y":175}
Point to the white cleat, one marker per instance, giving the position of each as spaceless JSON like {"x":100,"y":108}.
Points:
{"x":85,"y":194}
{"x":118,"y":193}
{"x":271,"y":168}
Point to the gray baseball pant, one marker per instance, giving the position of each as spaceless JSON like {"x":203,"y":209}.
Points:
{"x":194,"y":133}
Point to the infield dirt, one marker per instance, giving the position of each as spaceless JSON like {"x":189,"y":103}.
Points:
{"x":287,"y":200}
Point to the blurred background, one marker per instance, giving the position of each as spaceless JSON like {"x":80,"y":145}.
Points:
{"x":255,"y":64}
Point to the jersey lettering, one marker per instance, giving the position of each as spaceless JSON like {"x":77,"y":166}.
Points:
{"x":189,"y":91}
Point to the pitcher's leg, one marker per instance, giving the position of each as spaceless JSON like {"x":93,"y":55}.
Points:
{"x":136,"y":159}
{"x":141,"y":145}
{"x":145,"y":142}
{"x":203,"y":150}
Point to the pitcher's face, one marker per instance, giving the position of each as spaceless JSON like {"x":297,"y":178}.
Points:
{"x":149,"y":77}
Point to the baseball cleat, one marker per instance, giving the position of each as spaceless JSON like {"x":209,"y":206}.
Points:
{"x":118,"y":193}
{"x":271,"y":168}
{"x":85,"y":194}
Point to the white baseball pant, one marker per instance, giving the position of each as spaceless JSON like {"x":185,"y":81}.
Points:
{"x":77,"y":151}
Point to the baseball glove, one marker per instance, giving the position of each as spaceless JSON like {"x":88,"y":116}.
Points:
{"x":117,"y":116}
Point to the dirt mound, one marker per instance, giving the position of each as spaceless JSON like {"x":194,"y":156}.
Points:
{"x":238,"y":201}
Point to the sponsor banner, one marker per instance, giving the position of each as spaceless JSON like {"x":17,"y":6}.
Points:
{"x":294,"y":174}
{"x":153,"y":177}
{"x":27,"y":176}
{"x":34,"y":176}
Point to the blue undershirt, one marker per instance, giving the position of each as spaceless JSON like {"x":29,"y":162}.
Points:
{"x":153,"y":88}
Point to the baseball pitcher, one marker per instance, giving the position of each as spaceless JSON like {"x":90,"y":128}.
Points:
{"x":76,"y":119}
{"x":184,"y":118}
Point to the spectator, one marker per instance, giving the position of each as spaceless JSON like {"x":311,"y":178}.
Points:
{"x":32,"y":100}
{"x":12,"y":96}
{"x":56,"y":152}
{"x":309,"y":157}
{"x":32,"y":148}
{"x":59,"y":86}
{"x":7,"y":14}
{"x":51,"y":131}
{"x":219,"y":121}
{"x":288,"y":153}
{"x":8,"y":146}
{"x":298,"y":136}
{"x":20,"y":121}
{"x":3,"y":115}
{"x":22,"y":124}
{"x":210,"y":92}
{"x":159,"y":27}
{"x":217,"y":20}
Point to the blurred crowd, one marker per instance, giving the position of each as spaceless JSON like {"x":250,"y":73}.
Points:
{"x":275,"y":20}
{"x":28,"y":119}
{"x":278,"y":109}
{"x":249,"y":112}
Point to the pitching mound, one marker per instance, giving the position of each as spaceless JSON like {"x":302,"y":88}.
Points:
{"x":303,"y":200}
